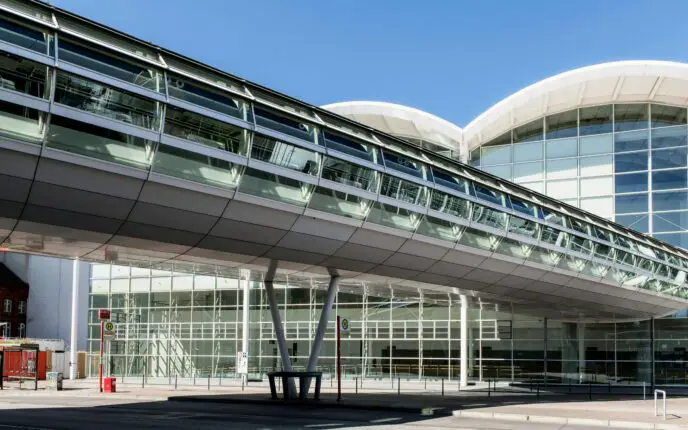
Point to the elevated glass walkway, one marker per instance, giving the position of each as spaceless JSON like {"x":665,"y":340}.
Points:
{"x":116,"y":150}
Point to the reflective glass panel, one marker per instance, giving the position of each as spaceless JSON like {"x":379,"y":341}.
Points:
{"x":669,"y":137}
{"x":284,"y":155}
{"x":19,"y":122}
{"x":676,"y":239}
{"x":530,"y":132}
{"x":495,"y":155}
{"x":405,"y":191}
{"x":90,"y":96}
{"x":346,"y":173}
{"x":554,"y":217}
{"x":339,"y":203}
{"x":350,"y":146}
{"x":479,"y":239}
{"x":195,"y":167}
{"x":475,"y":157}
{"x":544,"y":256}
{"x":280,"y":122}
{"x":669,"y":158}
{"x":206,"y":96}
{"x":675,"y":200}
{"x":439,"y":229}
{"x":404,"y":164}
{"x":669,"y":179}
{"x":514,"y":248}
{"x":449,"y":204}
{"x":110,"y":65}
{"x":670,"y":221}
{"x":580,"y":226}
{"x":631,"y":117}
{"x":561,"y":125}
{"x":553,"y":236}
{"x":595,"y":120}
{"x":629,"y":183}
{"x":528,"y":151}
{"x":525,"y":207}
{"x":562,"y":148}
{"x":452,"y":181}
{"x":392,"y":216}
{"x":663,"y":116}
{"x":630,"y":162}
{"x":631,"y":141}
{"x":524,"y":227}
{"x":636,"y":222}
{"x":274,"y":187}
{"x":97,"y":142}
{"x":20,"y":35}
{"x":600,"y":144}
{"x":489,"y":217}
{"x":24,"y":76}
{"x":490,"y":195}
{"x":206,"y":131}
{"x":631,"y":203}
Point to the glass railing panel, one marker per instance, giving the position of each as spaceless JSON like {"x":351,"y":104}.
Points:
{"x":25,"y":37}
{"x":405,"y":191}
{"x":625,"y":258}
{"x":24,"y":76}
{"x":602,"y":234}
{"x":365,"y":151}
{"x":196,"y":167}
{"x":633,"y":279}
{"x":285,"y":155}
{"x":544,"y":256}
{"x":274,"y":187}
{"x":206,"y":131}
{"x":404,"y":164}
{"x":580,"y":226}
{"x":645,"y":264}
{"x":491,"y":195}
{"x":19,"y":122}
{"x":439,"y":229}
{"x":97,"y":142}
{"x":110,"y":65}
{"x":525,"y":207}
{"x":554,"y":217}
{"x":339,"y":203}
{"x":90,"y":96}
{"x":206,"y":96}
{"x":604,"y":252}
{"x":595,"y":269}
{"x":395,"y":217}
{"x":554,"y":237}
{"x":454,"y":182}
{"x":287,"y":125}
{"x":524,"y":227}
{"x":489,"y":217}
{"x":479,"y":239}
{"x":350,"y":174}
{"x":572,"y":263}
{"x":581,"y":245}
{"x":514,"y":248}
{"x":452,"y":205}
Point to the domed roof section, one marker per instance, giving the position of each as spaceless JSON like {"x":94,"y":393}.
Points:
{"x":402,"y":121}
{"x":615,"y":82}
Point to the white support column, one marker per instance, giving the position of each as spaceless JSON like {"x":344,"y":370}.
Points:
{"x":463,"y":319}
{"x":581,"y":351}
{"x":245,"y":276}
{"x":322,"y":323}
{"x":75,"y":313}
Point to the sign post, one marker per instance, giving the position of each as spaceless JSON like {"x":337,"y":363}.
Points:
{"x":342,"y":327}
{"x":103,"y":315}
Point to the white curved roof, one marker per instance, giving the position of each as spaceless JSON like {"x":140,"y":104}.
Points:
{"x":615,"y":82}
{"x":401,"y":121}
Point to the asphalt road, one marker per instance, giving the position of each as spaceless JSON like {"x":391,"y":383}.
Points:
{"x":41,"y":412}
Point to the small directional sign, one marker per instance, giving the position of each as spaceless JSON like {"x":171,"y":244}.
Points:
{"x":344,"y":326}
{"x":109,"y":329}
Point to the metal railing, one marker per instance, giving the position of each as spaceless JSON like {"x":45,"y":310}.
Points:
{"x":663,"y":393}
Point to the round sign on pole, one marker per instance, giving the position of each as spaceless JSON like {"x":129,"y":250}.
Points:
{"x":109,"y":329}
{"x":344,"y":326}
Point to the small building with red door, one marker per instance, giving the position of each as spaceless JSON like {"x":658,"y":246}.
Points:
{"x":14,"y":297}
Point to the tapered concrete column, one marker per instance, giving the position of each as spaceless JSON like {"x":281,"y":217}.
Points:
{"x":75,"y":313}
{"x":322,"y":323}
{"x":463,"y":316}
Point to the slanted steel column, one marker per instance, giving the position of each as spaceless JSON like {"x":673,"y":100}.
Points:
{"x":322,"y":323}
{"x":246,"y":285}
{"x":277,"y":323}
{"x":463,"y":345}
{"x":75,"y":318}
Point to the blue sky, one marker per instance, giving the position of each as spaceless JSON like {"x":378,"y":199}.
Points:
{"x":452,"y":58}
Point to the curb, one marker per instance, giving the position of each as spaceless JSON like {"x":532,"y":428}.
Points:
{"x":437,"y":411}
{"x":564,"y":420}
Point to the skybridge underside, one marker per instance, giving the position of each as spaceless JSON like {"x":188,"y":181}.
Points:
{"x":54,"y":203}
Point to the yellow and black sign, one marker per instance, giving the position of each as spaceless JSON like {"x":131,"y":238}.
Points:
{"x":108,"y":329}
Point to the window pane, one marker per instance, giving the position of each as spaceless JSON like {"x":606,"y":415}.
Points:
{"x":490,"y":195}
{"x":24,"y":76}
{"x":561,"y":125}
{"x":676,"y":239}
{"x":668,"y":158}
{"x":90,"y":96}
{"x":490,"y":217}
{"x":109,"y":65}
{"x":677,"y":200}
{"x":562,"y":148}
{"x":284,"y":155}
{"x":195,"y":167}
{"x":21,"y":36}
{"x":273,"y":187}
{"x":495,"y":155}
{"x":528,"y":151}
{"x":439,"y":228}
{"x":669,"y":137}
{"x":405,"y":191}
{"x":499,"y":171}
{"x":346,"y":173}
{"x":631,"y":203}
{"x":603,"y":144}
{"x":530,"y":132}
{"x":630,"y":183}
{"x":206,"y":96}
{"x":669,"y":179}
{"x":601,"y":186}
{"x":632,"y":141}
{"x":560,"y":169}
{"x":338,"y":203}
{"x":528,"y":172}
{"x":670,"y":221}
{"x":282,"y":123}
{"x":19,"y":122}
{"x":600,"y":206}
{"x":97,"y":142}
{"x":449,"y":204}
{"x":630,"y":117}
{"x":404,"y":164}
{"x":392,"y":216}
{"x":596,"y":120}
{"x":636,"y":222}
{"x":349,"y":146}
{"x":630,"y":162}
{"x":595,"y":166}
{"x":563,"y":189}
{"x":452,"y":181}
{"x":206,"y":131}
{"x":663,"y":116}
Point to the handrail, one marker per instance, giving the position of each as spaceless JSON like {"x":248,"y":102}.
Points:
{"x":663,"y":402}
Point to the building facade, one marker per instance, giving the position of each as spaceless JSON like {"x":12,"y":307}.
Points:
{"x":14,"y":297}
